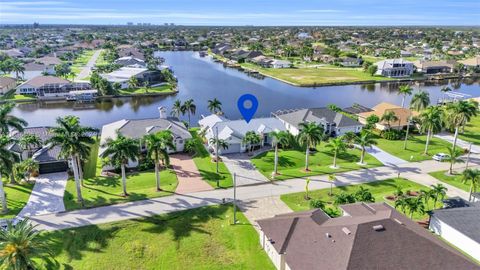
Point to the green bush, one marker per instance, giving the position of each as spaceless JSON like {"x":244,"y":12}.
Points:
{"x":314,"y":203}
{"x":392,"y":135}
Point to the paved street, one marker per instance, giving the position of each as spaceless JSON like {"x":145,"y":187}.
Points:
{"x":85,"y":72}
{"x":46,"y":196}
{"x":414,"y":171}
{"x":461,"y":143}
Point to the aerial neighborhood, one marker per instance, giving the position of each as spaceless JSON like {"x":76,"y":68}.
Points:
{"x":164,"y":146}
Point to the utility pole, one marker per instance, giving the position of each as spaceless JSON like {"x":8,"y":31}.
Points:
{"x":406,"y":135}
{"x":234,"y":198}
{"x":468,"y":156}
{"x":216,"y":148}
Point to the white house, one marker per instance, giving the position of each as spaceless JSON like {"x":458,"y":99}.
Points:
{"x":395,"y":68}
{"x":124,"y":74}
{"x":280,"y":63}
{"x":33,"y":85}
{"x":51,"y":87}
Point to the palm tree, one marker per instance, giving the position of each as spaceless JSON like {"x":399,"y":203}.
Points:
{"x":214,"y":106}
{"x":74,"y":141}
{"x":119,"y":152}
{"x":278,"y":138}
{"x":438,"y":190}
{"x":20,"y":244}
{"x":28,"y":142}
{"x":426,"y":195}
{"x":17,"y":67}
{"x":219,"y":144}
{"x":445,"y":90}
{"x":420,"y":101}
{"x":189,"y":108}
{"x":8,"y":121}
{"x":251,"y":139}
{"x":7,"y":159}
{"x":402,"y":203}
{"x":364,"y":140}
{"x":29,"y":166}
{"x":415,"y":204}
{"x":310,"y":135}
{"x":430,"y":122}
{"x":405,"y":90}
{"x":158,"y":146}
{"x":336,"y":145}
{"x":133,"y":82}
{"x":176,"y":108}
{"x":458,"y":114}
{"x":453,"y":157}
{"x":307,"y":184}
{"x":472,"y":175}
{"x":389,"y":117}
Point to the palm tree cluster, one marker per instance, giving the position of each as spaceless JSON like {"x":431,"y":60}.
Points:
{"x":188,"y":107}
{"x":12,"y":65}
{"x":419,"y":203}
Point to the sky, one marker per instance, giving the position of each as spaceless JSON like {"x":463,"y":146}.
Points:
{"x":243,"y":12}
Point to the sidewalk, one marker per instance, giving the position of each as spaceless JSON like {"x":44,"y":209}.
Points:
{"x":415,"y":171}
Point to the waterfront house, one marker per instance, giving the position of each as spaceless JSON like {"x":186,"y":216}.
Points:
{"x":130,"y":51}
{"x":395,"y":68}
{"x":124,"y":74}
{"x":403,"y":115}
{"x":233,"y":131}
{"x":333,"y":123}
{"x":367,"y":236}
{"x":472,"y":62}
{"x":280,"y":64}
{"x":130,"y":61}
{"x":7,"y":84}
{"x":51,"y":87}
{"x":458,"y":223}
{"x":32,"y":85}
{"x":137,"y":128}
{"x":435,"y":67}
{"x":48,"y":158}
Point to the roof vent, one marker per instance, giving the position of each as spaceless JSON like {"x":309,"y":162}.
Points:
{"x":398,"y":221}
{"x":346,"y":231}
{"x":328,"y":235}
{"x":378,"y":228}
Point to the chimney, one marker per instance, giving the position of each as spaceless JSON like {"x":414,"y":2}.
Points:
{"x":163,"y":112}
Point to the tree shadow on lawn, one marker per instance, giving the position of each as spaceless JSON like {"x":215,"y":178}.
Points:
{"x":213,"y":177}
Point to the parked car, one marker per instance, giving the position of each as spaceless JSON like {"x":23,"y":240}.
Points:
{"x":440,"y":157}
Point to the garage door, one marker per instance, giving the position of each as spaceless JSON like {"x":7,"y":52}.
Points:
{"x":53,"y":167}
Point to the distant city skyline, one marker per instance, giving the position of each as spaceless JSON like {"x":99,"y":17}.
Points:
{"x":246,"y":12}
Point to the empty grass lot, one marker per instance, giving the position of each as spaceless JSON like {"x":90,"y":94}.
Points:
{"x":472,"y":131}
{"x":207,"y":168}
{"x":291,"y":163}
{"x":166,"y":88}
{"x":415,"y":147}
{"x":316,"y":76}
{"x":454,"y":180}
{"x":379,"y":190}
{"x":201,"y":238}
{"x":99,"y":191}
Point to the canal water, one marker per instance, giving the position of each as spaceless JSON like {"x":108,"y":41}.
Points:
{"x":202,"y":79}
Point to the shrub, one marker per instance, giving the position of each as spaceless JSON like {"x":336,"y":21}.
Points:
{"x":314,"y":203}
{"x":364,"y":195}
{"x":190,"y":146}
{"x":344,"y":198}
{"x":391,"y":135}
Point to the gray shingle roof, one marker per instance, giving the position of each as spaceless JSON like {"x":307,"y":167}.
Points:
{"x":463,"y":219}
{"x":318,"y":115}
{"x":137,"y":128}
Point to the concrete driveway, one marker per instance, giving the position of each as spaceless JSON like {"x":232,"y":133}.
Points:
{"x":384,"y":157}
{"x":46,"y":196}
{"x":241,"y":165}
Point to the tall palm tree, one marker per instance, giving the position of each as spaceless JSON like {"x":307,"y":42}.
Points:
{"x":426,"y":195}
{"x":119,"y":152}
{"x":7,"y":160}
{"x":389,"y":117}
{"x":133,"y":82}
{"x":28,"y":142}
{"x":189,"y":108}
{"x":74,"y":140}
{"x":8,"y":121}
{"x":402,"y":203}
{"x":336,"y":145}
{"x":364,"y":140}
{"x":219,"y":144}
{"x":310,"y":135}
{"x":21,"y":246}
{"x":430,"y":122}
{"x":214,"y":106}
{"x":438,"y":190}
{"x":251,"y":139}
{"x":17,"y":67}
{"x":279,"y":138}
{"x":405,"y":90}
{"x":472,"y":176}
{"x":158,"y":146}
{"x":176,"y":108}
{"x":457,"y":114}
{"x":453,"y":157}
{"x":420,"y":101}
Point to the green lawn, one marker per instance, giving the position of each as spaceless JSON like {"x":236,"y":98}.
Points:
{"x":166,"y":88}
{"x":101,"y":59}
{"x":415,"y":147}
{"x":291,"y":163}
{"x":17,"y":197}
{"x":12,"y":96}
{"x":207,"y":168}
{"x":454,"y":180}
{"x":472,"y":131}
{"x":201,"y":238}
{"x":81,"y":61}
{"x":98,"y":190}
{"x":316,"y":76}
{"x":379,"y":190}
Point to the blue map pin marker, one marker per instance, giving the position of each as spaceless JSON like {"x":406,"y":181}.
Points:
{"x":247,"y":112}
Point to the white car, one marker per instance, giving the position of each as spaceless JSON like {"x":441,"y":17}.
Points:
{"x":440,"y":157}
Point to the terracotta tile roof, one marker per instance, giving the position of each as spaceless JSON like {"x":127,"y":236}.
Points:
{"x":402,"y":113}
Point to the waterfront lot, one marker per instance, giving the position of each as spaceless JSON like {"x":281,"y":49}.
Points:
{"x":166,"y":88}
{"x":201,"y":238}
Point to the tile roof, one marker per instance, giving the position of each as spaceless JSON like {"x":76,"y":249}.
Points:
{"x":4,"y":81}
{"x":317,"y":115}
{"x":40,"y":81}
{"x":375,"y":237}
{"x":379,"y":110}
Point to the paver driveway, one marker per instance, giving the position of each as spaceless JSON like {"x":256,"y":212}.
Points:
{"x":189,"y":178}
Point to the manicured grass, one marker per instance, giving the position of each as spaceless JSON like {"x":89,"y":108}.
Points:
{"x":415,"y":147}
{"x":207,"y":168}
{"x":166,"y":88}
{"x":98,"y":190}
{"x":17,"y":197}
{"x":291,"y":163}
{"x":472,"y":131}
{"x":11,"y":95}
{"x":316,"y":76}
{"x":379,"y":190}
{"x":101,"y":59}
{"x":202,"y":238}
{"x":454,"y":180}
{"x":81,"y":61}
